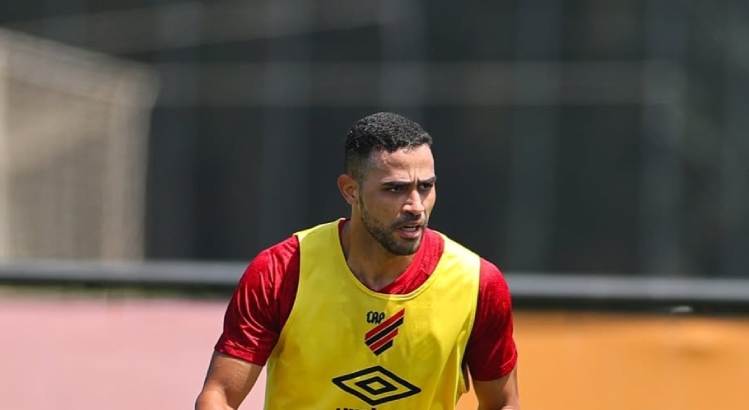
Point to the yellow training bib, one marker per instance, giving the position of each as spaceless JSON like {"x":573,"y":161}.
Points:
{"x":345,"y":346}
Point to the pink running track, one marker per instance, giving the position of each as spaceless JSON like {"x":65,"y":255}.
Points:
{"x":80,"y":354}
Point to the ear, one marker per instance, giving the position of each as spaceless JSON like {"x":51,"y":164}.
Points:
{"x":349,"y":188}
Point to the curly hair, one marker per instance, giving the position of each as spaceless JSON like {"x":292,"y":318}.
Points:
{"x":380,"y":131}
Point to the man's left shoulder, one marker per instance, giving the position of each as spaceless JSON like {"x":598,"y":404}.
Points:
{"x":493,"y":288}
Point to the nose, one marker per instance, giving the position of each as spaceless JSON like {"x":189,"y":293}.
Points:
{"x":414,"y":205}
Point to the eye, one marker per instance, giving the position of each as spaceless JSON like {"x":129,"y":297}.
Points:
{"x":426,"y":186}
{"x":394,"y":188}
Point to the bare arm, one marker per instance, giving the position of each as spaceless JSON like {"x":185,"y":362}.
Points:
{"x":499,"y":394}
{"x":227,"y":383}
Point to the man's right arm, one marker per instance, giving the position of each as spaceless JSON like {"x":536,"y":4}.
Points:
{"x":259,"y":307}
{"x":227,"y":383}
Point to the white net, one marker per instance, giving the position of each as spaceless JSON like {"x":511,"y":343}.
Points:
{"x":73,"y":129}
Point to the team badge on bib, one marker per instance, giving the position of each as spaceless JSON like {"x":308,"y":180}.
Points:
{"x":380,"y":338}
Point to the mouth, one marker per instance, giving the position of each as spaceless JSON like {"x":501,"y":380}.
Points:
{"x":410,"y":231}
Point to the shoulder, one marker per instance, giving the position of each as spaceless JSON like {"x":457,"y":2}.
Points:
{"x":280,"y":254}
{"x":491,"y":352}
{"x":494,"y":299}
{"x":268,"y":286}
{"x":261,"y":303}
{"x":490,"y":276}
{"x":273,"y":265}
{"x":492,"y":282}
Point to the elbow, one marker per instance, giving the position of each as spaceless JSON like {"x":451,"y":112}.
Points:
{"x":211,"y":400}
{"x":511,"y":405}
{"x":512,"y":402}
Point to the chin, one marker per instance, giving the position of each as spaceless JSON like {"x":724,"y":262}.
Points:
{"x":409,"y":247}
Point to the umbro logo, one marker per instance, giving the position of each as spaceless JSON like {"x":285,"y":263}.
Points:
{"x":375,"y":385}
{"x":380,"y":338}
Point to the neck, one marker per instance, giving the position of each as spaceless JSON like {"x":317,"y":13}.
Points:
{"x":372,"y":264}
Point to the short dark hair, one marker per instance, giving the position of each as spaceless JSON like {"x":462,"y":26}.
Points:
{"x":380,"y":131}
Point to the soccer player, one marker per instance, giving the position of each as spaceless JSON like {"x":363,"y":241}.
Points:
{"x":376,"y":311}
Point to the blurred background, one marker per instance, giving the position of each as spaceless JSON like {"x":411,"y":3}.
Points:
{"x":592,"y":149}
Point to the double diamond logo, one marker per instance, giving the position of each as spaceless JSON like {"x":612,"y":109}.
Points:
{"x":376,"y":385}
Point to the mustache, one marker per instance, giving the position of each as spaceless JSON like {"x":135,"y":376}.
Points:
{"x":410,"y":220}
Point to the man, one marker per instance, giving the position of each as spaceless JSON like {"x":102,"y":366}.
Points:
{"x":372,"y":312}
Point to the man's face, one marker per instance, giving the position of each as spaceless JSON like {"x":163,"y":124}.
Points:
{"x":396,"y":197}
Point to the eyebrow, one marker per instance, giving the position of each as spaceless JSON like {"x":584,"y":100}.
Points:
{"x":398,"y":183}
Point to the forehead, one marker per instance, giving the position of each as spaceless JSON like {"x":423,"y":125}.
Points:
{"x":406,"y":163}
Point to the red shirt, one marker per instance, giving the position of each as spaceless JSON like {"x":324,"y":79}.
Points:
{"x":265,"y":295}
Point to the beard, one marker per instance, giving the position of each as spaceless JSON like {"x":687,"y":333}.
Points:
{"x":386,"y":236}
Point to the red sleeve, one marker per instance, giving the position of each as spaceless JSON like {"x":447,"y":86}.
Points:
{"x":491,"y":351}
{"x":261,"y":303}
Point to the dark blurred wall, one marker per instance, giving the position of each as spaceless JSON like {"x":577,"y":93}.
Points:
{"x":576,"y":135}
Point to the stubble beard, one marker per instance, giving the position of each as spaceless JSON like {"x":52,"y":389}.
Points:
{"x":385,"y":236}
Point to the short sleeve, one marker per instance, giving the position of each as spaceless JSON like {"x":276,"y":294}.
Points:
{"x":261,"y":303}
{"x":491,"y":352}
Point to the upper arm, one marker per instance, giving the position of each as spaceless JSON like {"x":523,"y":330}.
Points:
{"x":261,"y":304}
{"x":491,"y":352}
{"x":227,"y":383}
{"x":498,"y":394}
{"x":254,"y":318}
